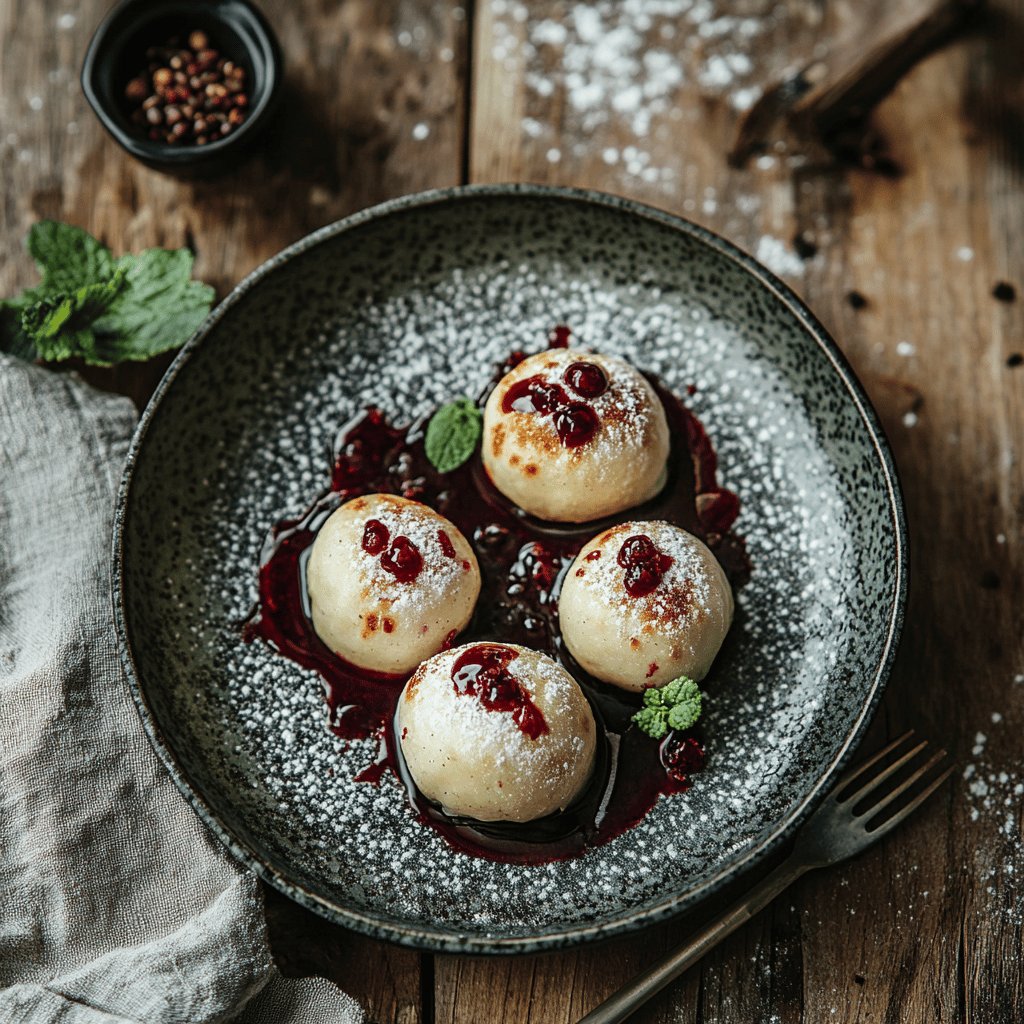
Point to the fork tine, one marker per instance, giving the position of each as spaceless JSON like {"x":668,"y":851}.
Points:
{"x":876,"y":780}
{"x":904,"y":812}
{"x":911,"y":780}
{"x":858,"y":770}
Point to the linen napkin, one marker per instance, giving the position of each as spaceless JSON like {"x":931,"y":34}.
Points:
{"x":116,"y":905}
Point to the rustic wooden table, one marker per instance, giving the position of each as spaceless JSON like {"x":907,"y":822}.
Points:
{"x":642,"y":97}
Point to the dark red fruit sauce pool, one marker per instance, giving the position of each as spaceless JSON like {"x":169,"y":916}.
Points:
{"x":522,"y":561}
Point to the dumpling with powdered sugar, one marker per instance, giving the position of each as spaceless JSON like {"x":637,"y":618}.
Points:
{"x":496,"y":732}
{"x":644,"y":603}
{"x":571,"y":436}
{"x":390,"y":582}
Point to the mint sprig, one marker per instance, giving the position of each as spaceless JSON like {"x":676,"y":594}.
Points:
{"x":62,"y":325}
{"x":67,"y":257}
{"x":102,"y":310}
{"x":676,"y":705}
{"x":452,"y":434}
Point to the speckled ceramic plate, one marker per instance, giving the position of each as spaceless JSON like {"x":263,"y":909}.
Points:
{"x":405,"y":306}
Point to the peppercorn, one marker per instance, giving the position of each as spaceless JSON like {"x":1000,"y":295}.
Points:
{"x":137,"y":89}
{"x":187,"y":95}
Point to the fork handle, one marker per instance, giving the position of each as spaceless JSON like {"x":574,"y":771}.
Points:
{"x":635,"y":993}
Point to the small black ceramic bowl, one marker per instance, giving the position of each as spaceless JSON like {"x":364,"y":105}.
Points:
{"x":118,"y":52}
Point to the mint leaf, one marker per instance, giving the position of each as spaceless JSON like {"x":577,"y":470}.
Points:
{"x":452,"y":434}
{"x":93,"y":307}
{"x":686,"y":709}
{"x":62,"y":326}
{"x":652,"y":721}
{"x":68,"y":258}
{"x":159,"y":309}
{"x":676,"y":705}
{"x":13,"y":339}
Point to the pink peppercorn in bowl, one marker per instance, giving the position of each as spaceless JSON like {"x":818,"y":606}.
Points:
{"x":184,"y":86}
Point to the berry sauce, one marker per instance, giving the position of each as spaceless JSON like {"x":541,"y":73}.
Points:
{"x":522,"y":562}
{"x":447,"y":547}
{"x":559,"y":336}
{"x":588,"y":380}
{"x":575,"y":422}
{"x":644,"y":564}
{"x":403,"y":560}
{"x":481,"y":671}
{"x":358,"y":700}
{"x":375,"y":537}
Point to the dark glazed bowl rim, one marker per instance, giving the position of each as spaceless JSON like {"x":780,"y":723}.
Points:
{"x":129,"y":15}
{"x":424,"y":936}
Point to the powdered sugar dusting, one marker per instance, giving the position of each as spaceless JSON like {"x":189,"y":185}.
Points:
{"x":624,"y":60}
{"x":643,"y":69}
{"x":778,"y":257}
{"x":993,"y":787}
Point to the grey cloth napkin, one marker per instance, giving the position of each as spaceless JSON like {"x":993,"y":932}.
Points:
{"x":116,"y":905}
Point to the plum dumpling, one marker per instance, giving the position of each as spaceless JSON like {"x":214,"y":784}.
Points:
{"x":643,"y":603}
{"x":496,"y":732}
{"x":390,"y":582}
{"x":571,"y":436}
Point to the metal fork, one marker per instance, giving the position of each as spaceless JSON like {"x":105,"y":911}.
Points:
{"x":841,"y":827}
